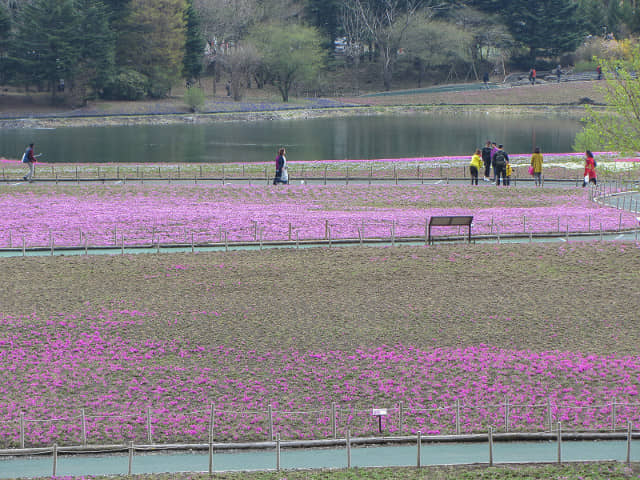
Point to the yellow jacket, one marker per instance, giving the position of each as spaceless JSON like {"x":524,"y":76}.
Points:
{"x":476,"y":161}
{"x":536,"y":162}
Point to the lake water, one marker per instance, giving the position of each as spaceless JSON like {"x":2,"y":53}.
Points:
{"x":357,"y":137}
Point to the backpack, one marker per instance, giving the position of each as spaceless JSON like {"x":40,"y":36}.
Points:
{"x":499,"y":158}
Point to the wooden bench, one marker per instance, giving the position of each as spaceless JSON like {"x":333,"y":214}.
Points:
{"x":450,"y":221}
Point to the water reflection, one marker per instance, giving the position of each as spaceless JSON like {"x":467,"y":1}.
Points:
{"x":358,"y":137}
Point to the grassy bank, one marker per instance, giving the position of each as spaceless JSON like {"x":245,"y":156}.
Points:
{"x":543,"y":472}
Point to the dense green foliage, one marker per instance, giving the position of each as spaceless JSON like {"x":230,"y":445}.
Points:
{"x":618,"y":127}
{"x":94,"y":46}
{"x":289,"y":53}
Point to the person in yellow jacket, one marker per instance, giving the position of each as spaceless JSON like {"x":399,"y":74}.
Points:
{"x":475,"y":166}
{"x":507,"y":171}
{"x":536,"y":164}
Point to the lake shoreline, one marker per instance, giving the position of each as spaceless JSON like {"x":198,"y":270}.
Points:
{"x":552,"y":111}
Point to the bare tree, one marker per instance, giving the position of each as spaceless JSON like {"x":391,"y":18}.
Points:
{"x":241,"y":65}
{"x":355,"y":38}
{"x":386,"y":22}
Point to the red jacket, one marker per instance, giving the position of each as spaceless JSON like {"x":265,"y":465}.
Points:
{"x":590,"y":168}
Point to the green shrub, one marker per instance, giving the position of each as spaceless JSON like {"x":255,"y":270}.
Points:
{"x":585,"y":66}
{"x":194,"y":98}
{"x":126,"y":85}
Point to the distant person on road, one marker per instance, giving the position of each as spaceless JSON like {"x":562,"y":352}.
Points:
{"x":475,"y":166}
{"x":589,"y":169}
{"x":533,"y":76}
{"x":29,"y":158}
{"x":486,"y":159}
{"x":500,"y":160}
{"x":536,"y":164}
{"x":559,"y":73}
{"x":485,"y":79}
{"x":599,"y":72}
{"x":282,"y":175}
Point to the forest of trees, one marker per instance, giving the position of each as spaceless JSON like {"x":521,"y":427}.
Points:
{"x":131,"y":49}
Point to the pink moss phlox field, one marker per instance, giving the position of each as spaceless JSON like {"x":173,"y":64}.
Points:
{"x":171,"y":214}
{"x":54,"y":369}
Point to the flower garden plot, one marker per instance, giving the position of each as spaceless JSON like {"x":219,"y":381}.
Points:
{"x":169,"y":214}
{"x":362,"y":328}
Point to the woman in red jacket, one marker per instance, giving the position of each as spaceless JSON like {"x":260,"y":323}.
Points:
{"x":589,"y":169}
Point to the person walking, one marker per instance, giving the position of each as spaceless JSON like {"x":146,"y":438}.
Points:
{"x":486,"y":160}
{"x":282,"y":175}
{"x":536,"y":165}
{"x":589,"y":169}
{"x":533,"y":76}
{"x":559,"y":73}
{"x":29,"y":158}
{"x":500,"y":160}
{"x":485,"y":79}
{"x":475,"y":166}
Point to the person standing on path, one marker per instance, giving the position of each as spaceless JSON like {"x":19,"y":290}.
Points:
{"x":533,"y":76}
{"x":589,"y":169}
{"x":486,"y":159}
{"x":29,"y":158}
{"x":281,"y":167}
{"x":536,"y":163}
{"x":500,"y":160}
{"x":475,"y":166}
{"x":494,"y":150}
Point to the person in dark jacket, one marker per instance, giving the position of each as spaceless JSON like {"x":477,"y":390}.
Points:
{"x":500,"y":160}
{"x":486,"y":159}
{"x":281,"y":165}
{"x":29,"y":158}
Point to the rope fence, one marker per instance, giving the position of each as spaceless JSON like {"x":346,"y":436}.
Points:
{"x":322,"y":171}
{"x":160,"y":426}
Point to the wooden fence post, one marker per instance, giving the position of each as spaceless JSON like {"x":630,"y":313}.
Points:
{"x":55,"y":459}
{"x":149,"y":436}
{"x":491,"y":446}
{"x":348,"y":448}
{"x":84,"y":428}
{"x":559,"y":442}
{"x":130,"y":470}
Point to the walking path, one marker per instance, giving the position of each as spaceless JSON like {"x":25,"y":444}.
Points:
{"x":385,"y":456}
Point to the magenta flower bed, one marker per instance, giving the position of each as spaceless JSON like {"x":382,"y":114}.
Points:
{"x":173,"y":214}
{"x":56,"y":367}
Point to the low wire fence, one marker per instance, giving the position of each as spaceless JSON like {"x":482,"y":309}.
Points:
{"x":262,"y":173}
{"x":180,"y":425}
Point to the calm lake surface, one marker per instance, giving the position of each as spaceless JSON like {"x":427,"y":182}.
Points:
{"x":358,"y":137}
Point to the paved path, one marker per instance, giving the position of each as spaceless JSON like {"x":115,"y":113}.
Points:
{"x":431,"y":454}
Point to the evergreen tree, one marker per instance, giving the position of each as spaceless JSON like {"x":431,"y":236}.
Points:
{"x":46,"y":47}
{"x":545,"y":27}
{"x":97,"y":43}
{"x":152,"y":42}
{"x":324,"y":15}
{"x":194,"y":44}
{"x":5,"y":28}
